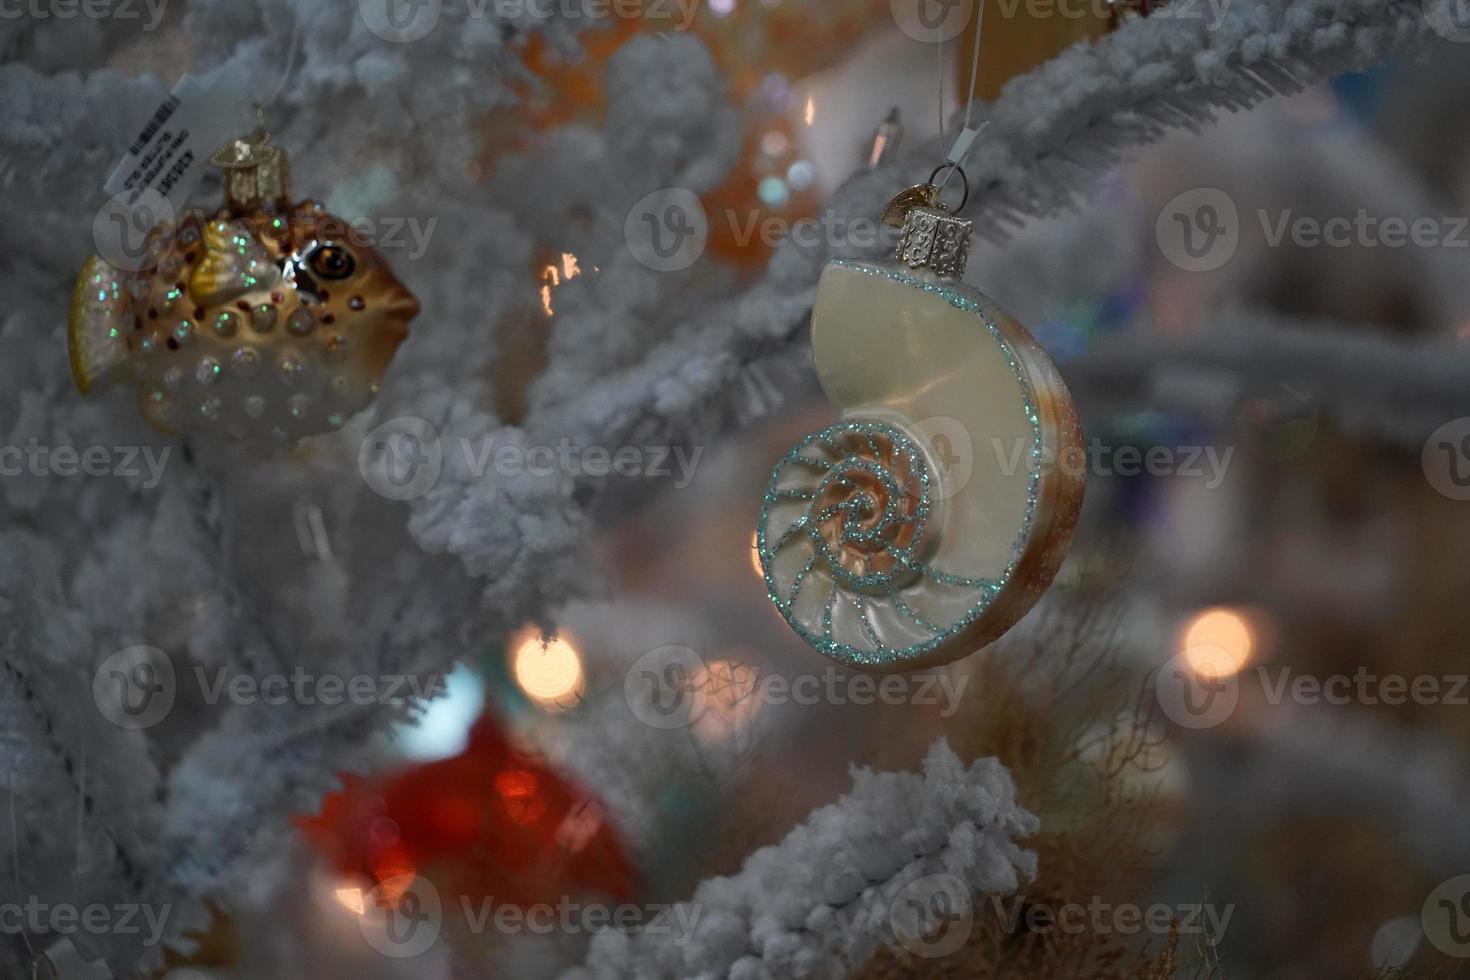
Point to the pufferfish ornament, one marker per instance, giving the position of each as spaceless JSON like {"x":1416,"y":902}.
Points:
{"x":927,"y":521}
{"x":269,"y":321}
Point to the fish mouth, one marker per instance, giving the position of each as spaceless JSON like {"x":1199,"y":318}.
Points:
{"x":403,"y":304}
{"x":390,"y":330}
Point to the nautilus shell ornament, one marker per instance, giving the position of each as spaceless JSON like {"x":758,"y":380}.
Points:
{"x":934,"y":514}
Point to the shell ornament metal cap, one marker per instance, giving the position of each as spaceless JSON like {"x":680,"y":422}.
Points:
{"x":928,"y":520}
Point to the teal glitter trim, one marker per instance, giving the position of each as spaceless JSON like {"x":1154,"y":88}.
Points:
{"x":849,"y":449}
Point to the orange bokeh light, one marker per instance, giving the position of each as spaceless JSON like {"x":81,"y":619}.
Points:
{"x":549,"y":671}
{"x":1218,"y":642}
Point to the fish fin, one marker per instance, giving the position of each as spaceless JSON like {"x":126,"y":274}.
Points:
{"x":96,"y":329}
{"x":230,"y":268}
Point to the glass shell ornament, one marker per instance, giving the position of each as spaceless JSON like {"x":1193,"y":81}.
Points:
{"x":270,"y":320}
{"x":927,"y":521}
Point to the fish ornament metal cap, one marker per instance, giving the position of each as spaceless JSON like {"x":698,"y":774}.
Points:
{"x":935,"y":513}
{"x":256,"y":173}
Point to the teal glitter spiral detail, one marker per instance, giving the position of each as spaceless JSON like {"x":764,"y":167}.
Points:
{"x":838,"y":456}
{"x":843,"y":457}
{"x":855,"y":506}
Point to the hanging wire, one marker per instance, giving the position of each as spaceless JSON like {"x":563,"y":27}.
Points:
{"x":939,"y":77}
{"x":969,"y":97}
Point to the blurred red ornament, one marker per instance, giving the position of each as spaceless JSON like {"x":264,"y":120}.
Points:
{"x":491,"y":821}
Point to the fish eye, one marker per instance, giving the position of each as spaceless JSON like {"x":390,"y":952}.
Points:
{"x":332,"y":262}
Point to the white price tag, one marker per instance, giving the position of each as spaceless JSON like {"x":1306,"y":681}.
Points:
{"x":162,"y":166}
{"x":170,"y":152}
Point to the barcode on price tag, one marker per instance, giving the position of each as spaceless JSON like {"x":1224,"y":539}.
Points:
{"x":159,"y":118}
{"x":164,"y":162}
{"x":170,"y":152}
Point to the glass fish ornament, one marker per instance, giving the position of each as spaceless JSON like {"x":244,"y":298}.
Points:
{"x":933,"y":515}
{"x":268,"y":320}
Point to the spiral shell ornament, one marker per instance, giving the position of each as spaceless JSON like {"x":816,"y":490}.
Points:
{"x":934,"y":515}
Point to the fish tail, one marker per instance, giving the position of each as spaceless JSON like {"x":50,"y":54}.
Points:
{"x":96,"y":334}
